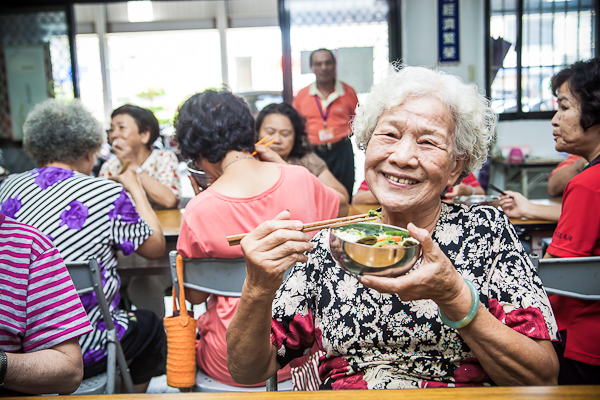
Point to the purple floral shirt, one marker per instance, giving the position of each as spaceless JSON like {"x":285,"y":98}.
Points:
{"x":84,"y":217}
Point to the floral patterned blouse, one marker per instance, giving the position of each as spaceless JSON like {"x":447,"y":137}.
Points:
{"x":84,"y":217}
{"x":376,"y":341}
{"x":161,"y":165}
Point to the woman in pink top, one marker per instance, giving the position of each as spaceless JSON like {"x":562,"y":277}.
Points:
{"x":215,"y":129}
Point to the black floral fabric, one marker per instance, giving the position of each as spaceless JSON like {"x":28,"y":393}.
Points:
{"x":376,"y":341}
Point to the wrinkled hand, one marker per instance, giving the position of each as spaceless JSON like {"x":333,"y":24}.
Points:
{"x":514,"y":204}
{"x":270,"y":249}
{"x":435,"y":279}
{"x":129,"y":179}
{"x":459,"y":190}
{"x":266,"y":154}
{"x":123,"y":152}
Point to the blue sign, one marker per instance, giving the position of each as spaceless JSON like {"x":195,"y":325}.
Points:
{"x":448,"y":43}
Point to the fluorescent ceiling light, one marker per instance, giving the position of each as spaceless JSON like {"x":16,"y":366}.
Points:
{"x":139,"y":11}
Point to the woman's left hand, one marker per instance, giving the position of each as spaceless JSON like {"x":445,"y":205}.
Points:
{"x":435,"y":279}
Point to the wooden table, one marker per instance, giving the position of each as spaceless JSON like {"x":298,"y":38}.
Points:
{"x":491,"y":393}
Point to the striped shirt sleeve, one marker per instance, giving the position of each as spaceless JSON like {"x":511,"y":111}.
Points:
{"x":54,"y":311}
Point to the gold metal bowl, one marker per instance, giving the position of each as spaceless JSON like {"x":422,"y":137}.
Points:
{"x":361,"y":259}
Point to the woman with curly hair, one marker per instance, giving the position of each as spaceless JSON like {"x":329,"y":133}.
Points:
{"x":215,"y":129}
{"x":282,"y":123}
{"x":87,"y":217}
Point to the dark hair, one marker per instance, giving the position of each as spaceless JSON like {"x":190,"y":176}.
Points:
{"x":583,"y":78}
{"x":144,"y":118}
{"x":321,"y":49}
{"x":301,"y":146}
{"x":212,"y":123}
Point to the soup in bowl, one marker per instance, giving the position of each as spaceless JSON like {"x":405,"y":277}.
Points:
{"x":374,"y":249}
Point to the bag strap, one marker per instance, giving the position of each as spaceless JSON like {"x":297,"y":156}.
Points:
{"x":183,"y":308}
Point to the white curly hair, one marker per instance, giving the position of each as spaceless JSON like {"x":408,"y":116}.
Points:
{"x":474,"y":118}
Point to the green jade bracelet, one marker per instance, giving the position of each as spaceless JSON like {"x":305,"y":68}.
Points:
{"x":472,"y":312}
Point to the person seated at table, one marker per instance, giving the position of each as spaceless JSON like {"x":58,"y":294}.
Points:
{"x":37,"y":357}
{"x":133,"y":130}
{"x":577,"y":131}
{"x":469,"y":186}
{"x":471,"y":312}
{"x":87,"y":217}
{"x":282,"y":123}
{"x":562,"y":174}
{"x":215,"y":129}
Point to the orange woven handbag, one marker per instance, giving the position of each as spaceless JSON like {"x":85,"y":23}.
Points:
{"x":181,"y":340}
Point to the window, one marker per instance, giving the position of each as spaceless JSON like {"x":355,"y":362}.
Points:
{"x":531,"y":40}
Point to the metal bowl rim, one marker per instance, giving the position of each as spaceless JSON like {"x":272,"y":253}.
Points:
{"x":371,"y":246}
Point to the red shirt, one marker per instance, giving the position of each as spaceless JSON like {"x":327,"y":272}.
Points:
{"x":578,"y":235}
{"x":340,"y":114}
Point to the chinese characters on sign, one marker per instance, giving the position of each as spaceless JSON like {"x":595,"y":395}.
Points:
{"x":448,"y":49}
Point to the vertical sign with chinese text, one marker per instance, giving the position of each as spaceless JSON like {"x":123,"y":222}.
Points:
{"x":448,"y":48}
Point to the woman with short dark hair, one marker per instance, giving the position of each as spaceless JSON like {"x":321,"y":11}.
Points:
{"x":133,"y":131}
{"x":282,"y":123}
{"x":215,"y":129}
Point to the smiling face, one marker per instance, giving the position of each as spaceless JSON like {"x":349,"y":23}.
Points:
{"x":280,"y":128}
{"x":124,"y":127}
{"x":410,"y":158}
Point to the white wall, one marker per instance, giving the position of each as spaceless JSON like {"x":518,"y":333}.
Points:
{"x":419,"y":47}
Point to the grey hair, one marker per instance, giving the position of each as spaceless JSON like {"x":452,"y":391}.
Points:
{"x":473,"y":116}
{"x":65,"y":132}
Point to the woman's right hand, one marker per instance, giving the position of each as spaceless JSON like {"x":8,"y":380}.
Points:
{"x":123,"y":151}
{"x":268,"y":155}
{"x":270,"y":249}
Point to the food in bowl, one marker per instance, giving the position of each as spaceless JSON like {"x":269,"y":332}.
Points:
{"x":373,"y":249}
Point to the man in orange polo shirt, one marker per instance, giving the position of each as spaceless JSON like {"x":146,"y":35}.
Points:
{"x":328,"y":105}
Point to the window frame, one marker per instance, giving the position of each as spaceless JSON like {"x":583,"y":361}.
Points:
{"x":520,"y":114}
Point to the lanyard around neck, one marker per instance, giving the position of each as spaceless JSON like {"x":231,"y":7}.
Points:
{"x":326,"y":115}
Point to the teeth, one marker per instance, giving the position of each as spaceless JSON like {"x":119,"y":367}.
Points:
{"x":400,"y":180}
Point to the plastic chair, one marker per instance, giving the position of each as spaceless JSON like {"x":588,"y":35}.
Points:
{"x":577,"y":277}
{"x":86,"y":278}
{"x":223,"y":277}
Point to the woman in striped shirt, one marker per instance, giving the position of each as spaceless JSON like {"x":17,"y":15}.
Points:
{"x":89,"y":217}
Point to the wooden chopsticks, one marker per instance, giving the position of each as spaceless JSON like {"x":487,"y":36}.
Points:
{"x":234,"y":240}
{"x":124,"y":167}
{"x":270,"y":142}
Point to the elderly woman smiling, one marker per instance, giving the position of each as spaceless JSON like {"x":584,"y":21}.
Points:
{"x":472,"y":311}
